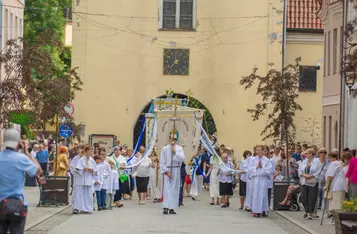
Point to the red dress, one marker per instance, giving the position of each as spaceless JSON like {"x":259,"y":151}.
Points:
{"x":188,"y":179}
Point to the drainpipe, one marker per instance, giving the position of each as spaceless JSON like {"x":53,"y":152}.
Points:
{"x":343,"y":84}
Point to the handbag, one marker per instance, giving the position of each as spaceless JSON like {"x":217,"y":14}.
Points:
{"x":311,"y":180}
{"x":123,"y":178}
{"x":12,"y":209}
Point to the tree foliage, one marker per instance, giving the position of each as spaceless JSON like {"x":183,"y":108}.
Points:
{"x":41,"y":98}
{"x":279,"y":93}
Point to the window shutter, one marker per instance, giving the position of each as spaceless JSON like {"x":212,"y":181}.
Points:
{"x":169,"y":14}
{"x":186,"y":14}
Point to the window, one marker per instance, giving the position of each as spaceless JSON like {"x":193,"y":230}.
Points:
{"x":324,"y":132}
{"x":16,"y":28}
{"x":308,"y":76}
{"x":334,"y":53}
{"x":325,"y":48}
{"x":21,"y":33}
{"x":11,"y":25}
{"x":6,"y":24}
{"x":177,"y":14}
{"x":329,"y":53}
{"x":330,"y":133}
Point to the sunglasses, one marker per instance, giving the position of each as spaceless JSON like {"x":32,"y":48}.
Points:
{"x":323,"y":152}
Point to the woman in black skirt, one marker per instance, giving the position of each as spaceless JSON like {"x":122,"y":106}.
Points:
{"x":225,"y":180}
{"x":141,"y":173}
{"x":243,"y":179}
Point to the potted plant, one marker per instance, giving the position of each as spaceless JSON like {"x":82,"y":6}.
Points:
{"x":349,"y":212}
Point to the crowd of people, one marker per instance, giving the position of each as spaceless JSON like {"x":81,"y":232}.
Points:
{"x":100,"y":180}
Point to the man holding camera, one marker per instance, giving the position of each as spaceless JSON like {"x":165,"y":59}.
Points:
{"x":13,"y":208}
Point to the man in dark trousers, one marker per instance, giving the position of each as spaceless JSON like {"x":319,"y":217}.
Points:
{"x":183,"y":175}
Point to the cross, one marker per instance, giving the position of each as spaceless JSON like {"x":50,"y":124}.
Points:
{"x":189,"y":94}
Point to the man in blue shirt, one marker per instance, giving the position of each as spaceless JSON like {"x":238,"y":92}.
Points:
{"x":297,"y":154}
{"x":12,"y":169}
{"x":42,"y":157}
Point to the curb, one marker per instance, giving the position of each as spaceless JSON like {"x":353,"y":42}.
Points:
{"x":297,"y":223}
{"x":41,"y":220}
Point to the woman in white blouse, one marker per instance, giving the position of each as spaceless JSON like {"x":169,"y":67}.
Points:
{"x":309,"y":172}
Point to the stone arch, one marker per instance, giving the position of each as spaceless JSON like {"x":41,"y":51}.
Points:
{"x":208,"y":121}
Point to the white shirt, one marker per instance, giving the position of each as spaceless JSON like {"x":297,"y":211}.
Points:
{"x":334,"y":170}
{"x":315,"y":170}
{"x":243,"y":177}
{"x":340,"y":183}
{"x":143,"y":169}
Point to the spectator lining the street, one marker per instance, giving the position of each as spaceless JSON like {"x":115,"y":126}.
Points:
{"x":309,"y":172}
{"x":61,"y":164}
{"x":42,"y":157}
{"x":13,"y":166}
{"x":322,"y":179}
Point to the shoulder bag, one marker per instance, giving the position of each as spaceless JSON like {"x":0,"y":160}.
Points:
{"x":12,"y":209}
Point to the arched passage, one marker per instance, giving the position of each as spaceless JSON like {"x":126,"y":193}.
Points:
{"x":208,"y":122}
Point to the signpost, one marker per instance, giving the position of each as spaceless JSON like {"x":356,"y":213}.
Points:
{"x":69,"y":109}
{"x":65,"y":130}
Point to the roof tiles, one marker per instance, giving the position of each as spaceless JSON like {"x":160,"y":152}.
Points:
{"x":302,"y":14}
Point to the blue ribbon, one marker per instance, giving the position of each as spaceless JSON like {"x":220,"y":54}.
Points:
{"x":196,"y":167}
{"x":151,"y":109}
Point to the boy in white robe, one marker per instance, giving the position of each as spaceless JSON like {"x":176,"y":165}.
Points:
{"x":155,"y":179}
{"x":77,"y":182}
{"x":88,"y":169}
{"x":171,"y":158}
{"x":105,"y":171}
{"x":248,"y":196}
{"x":113,"y":184}
{"x":260,"y":169}
{"x":98,"y":183}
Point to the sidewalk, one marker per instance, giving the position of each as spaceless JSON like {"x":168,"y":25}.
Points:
{"x":311,"y":226}
{"x":36,"y":215}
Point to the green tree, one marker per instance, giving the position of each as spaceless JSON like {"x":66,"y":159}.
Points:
{"x":43,"y":17}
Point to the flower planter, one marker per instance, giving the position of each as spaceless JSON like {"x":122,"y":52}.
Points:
{"x":339,"y":216}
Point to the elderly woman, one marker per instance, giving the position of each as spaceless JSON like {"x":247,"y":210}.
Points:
{"x":61,"y":164}
{"x":322,"y":179}
{"x":309,"y":172}
{"x":141,"y":172}
{"x":335,"y":187}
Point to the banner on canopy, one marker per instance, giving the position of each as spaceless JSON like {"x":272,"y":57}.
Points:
{"x":188,"y":131}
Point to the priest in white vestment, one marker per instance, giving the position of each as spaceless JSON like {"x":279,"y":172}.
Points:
{"x":88,"y":169}
{"x":260,"y":168}
{"x":171,"y":158}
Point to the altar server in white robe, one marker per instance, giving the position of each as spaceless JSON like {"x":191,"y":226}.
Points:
{"x":248,"y":196}
{"x":105,"y":170}
{"x":88,"y":169}
{"x":77,"y":181}
{"x":260,"y":170}
{"x":155,"y":179}
{"x":113,"y":184}
{"x":171,"y":158}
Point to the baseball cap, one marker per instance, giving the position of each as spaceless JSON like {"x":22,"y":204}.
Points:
{"x":11,"y":138}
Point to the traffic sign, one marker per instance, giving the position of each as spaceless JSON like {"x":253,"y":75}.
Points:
{"x":65,"y":130}
{"x":69,"y":109}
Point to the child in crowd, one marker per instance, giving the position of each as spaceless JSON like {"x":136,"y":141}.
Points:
{"x":113,"y":185}
{"x":98,"y":183}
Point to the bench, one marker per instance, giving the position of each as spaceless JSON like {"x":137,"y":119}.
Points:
{"x":350,"y":224}
{"x":53,"y":190}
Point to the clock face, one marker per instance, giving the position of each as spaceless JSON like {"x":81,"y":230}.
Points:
{"x":176,"y":61}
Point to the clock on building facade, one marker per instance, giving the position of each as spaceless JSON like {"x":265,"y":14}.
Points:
{"x":176,"y":62}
